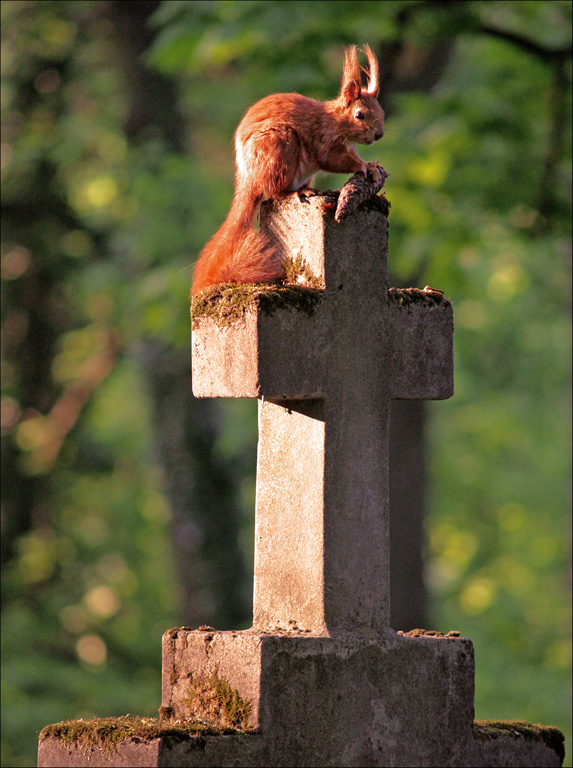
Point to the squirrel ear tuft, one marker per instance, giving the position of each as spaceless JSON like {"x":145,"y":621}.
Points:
{"x":373,"y":72}
{"x":351,"y":86}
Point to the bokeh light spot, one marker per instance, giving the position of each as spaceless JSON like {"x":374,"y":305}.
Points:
{"x":92,"y":650}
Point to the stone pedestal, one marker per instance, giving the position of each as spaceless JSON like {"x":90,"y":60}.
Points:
{"x":343,"y":700}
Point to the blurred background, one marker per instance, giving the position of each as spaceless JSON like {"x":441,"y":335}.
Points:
{"x":127,"y":505}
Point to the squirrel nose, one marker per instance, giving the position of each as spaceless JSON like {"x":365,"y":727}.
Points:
{"x":379,"y":133}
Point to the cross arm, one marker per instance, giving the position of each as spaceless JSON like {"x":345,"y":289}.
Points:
{"x":253,"y":341}
{"x":420,"y":335}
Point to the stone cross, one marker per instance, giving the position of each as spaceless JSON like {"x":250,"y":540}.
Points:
{"x":324,"y":379}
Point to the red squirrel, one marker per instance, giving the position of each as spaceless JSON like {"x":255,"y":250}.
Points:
{"x":281,"y":142}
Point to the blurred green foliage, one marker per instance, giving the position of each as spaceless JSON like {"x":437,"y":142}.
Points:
{"x":480,"y":175}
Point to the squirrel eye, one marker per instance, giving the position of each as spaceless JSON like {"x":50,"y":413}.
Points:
{"x":359,"y":114}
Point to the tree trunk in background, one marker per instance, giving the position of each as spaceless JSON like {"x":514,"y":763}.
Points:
{"x":35,"y":311}
{"x":33,"y":315}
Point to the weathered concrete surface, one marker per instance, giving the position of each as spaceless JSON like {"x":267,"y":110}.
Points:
{"x":52,"y":753}
{"x":241,"y":750}
{"x":340,"y":700}
{"x":516,"y":748}
{"x":509,"y":751}
{"x":506,"y":752}
{"x":290,"y":354}
{"x":421,"y":351}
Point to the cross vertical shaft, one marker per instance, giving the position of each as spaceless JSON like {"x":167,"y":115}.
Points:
{"x":322,"y":469}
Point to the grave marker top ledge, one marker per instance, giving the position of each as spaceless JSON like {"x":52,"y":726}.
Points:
{"x":324,"y":379}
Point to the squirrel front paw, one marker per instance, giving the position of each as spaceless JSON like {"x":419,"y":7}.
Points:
{"x":378,"y":173}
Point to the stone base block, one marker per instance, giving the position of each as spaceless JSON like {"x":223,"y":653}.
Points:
{"x":342,"y":700}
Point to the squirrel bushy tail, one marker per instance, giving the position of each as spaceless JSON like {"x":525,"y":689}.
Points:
{"x":237,"y":253}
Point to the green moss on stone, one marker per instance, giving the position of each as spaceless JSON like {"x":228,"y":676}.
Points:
{"x":428,"y":633}
{"x":485,"y":730}
{"x":212,"y":700}
{"x":176,"y":630}
{"x":406,"y":296}
{"x":228,"y":302}
{"x":298,"y":273}
{"x":107,"y":733}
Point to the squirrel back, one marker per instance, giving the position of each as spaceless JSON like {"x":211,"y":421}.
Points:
{"x":281,"y":142}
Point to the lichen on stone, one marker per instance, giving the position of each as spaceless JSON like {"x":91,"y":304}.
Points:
{"x":485,"y":730}
{"x":228,"y":302}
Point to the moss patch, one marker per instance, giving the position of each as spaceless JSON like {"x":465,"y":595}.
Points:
{"x":107,"y":733}
{"x":228,"y":302}
{"x":175,"y":631}
{"x":298,"y":273}
{"x":485,"y":730}
{"x":212,"y":700}
{"x":374,"y":203}
{"x":428,"y":633}
{"x":406,"y":296}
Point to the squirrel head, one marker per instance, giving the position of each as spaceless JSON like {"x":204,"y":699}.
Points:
{"x":363,"y":118}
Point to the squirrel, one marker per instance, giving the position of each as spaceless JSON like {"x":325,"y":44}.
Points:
{"x":280,"y":143}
